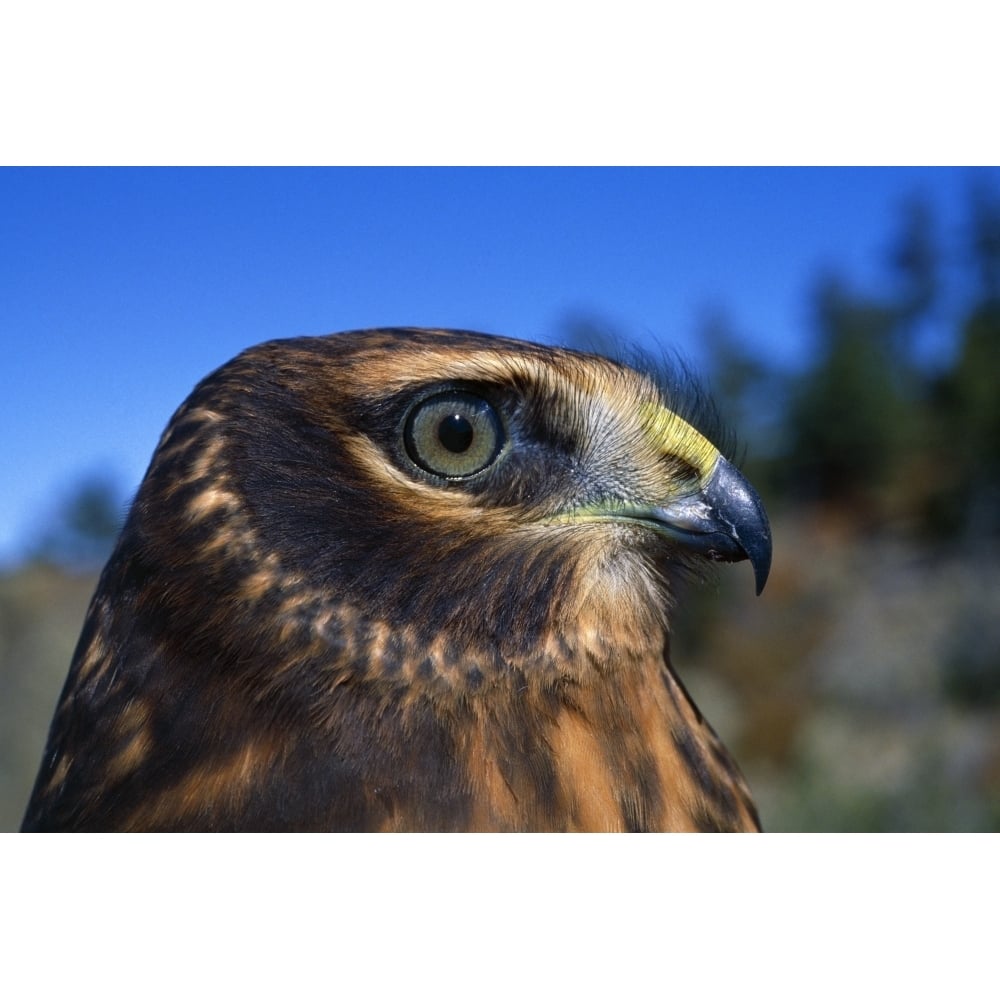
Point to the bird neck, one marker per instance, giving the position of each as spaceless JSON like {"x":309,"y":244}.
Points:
{"x":628,"y":751}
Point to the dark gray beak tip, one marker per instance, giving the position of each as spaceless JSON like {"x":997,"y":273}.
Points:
{"x":737,"y":506}
{"x":760,"y":560}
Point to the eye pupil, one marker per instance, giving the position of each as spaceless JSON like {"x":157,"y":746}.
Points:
{"x":456,"y":433}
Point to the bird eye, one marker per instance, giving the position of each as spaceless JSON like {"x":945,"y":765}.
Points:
{"x":453,"y":435}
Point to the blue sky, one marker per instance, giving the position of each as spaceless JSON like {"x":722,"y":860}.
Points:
{"x":119,"y":289}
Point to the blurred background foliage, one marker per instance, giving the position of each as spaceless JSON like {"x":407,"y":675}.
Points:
{"x":862,"y":691}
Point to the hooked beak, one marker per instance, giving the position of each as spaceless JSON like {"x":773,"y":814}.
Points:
{"x":724,"y":521}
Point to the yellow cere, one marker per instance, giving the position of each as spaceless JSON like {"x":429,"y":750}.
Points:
{"x":678,"y":437}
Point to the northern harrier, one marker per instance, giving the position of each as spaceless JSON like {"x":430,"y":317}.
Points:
{"x":405,"y":580}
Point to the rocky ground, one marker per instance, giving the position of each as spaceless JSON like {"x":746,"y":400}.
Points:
{"x":862,"y":690}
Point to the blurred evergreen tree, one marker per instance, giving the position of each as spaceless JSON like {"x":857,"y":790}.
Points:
{"x":967,"y":409}
{"x":966,"y":397}
{"x":848,"y":418}
{"x":985,"y":225}
{"x":860,"y":422}
{"x":914,"y":258}
{"x":751,"y":395}
{"x":86,"y":525}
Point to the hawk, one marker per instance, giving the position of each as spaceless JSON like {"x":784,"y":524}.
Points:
{"x":405,"y":580}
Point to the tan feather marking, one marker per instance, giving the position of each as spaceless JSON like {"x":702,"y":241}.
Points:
{"x":405,"y":489}
{"x":135,"y":752}
{"x":385,"y":374}
{"x":185,"y":427}
{"x":581,"y":766}
{"x":710,"y":748}
{"x":93,"y":660}
{"x":212,"y":499}
{"x":655,"y":713}
{"x":227,"y":783}
{"x":262,"y":583}
{"x":494,"y":802}
{"x":59,"y":774}
{"x":207,"y":464}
